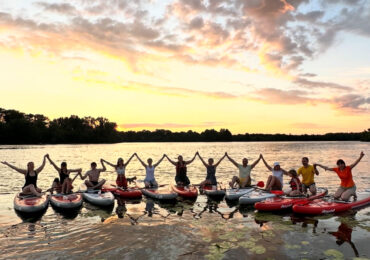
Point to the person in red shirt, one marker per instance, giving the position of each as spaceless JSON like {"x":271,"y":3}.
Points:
{"x":347,"y":186}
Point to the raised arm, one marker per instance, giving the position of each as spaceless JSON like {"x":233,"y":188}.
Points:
{"x":52,"y":163}
{"x":324,"y":167}
{"x":168,"y":158}
{"x":256,"y":162}
{"x":219,"y":161}
{"x":357,"y":161}
{"x":159,"y":161}
{"x":201,"y":159}
{"x":110,"y":164}
{"x":23,"y":171}
{"x":231,"y":160}
{"x":38,"y":170}
{"x":190,"y":161}
{"x":141,"y":161}
{"x":267,"y":166}
{"x":315,"y":169}
{"x":128,"y":161}
{"x":102,"y":164}
{"x":85,"y":176}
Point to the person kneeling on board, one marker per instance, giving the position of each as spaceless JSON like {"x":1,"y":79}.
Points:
{"x":295,"y":184}
{"x":347,"y":186}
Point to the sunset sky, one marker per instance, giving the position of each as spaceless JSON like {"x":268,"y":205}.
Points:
{"x":266,"y":66}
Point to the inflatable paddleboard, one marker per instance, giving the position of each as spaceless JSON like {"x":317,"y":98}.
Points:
{"x":66,"y":201}
{"x":213,"y":190}
{"x":99,"y":198}
{"x":188,"y":192}
{"x":160,"y":193}
{"x":234,"y":194}
{"x":326,"y":206}
{"x":30,"y":204}
{"x":286,"y":202}
{"x":129,"y":193}
{"x":255,"y":196}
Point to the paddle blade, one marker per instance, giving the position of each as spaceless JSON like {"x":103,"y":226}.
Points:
{"x":260,"y":184}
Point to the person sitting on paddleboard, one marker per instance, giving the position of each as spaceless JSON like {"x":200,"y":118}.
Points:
{"x":30,"y":175}
{"x":181,"y":178}
{"x":308,"y":173}
{"x":64,"y":179}
{"x":295,"y":184}
{"x":56,"y":186}
{"x":275,"y":181}
{"x":94,"y":174}
{"x":347,"y":186}
{"x":149,"y":180}
{"x":211,"y":170}
{"x":244,"y":178}
{"x":120,"y":168}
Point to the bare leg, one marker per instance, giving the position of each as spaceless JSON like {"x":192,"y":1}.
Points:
{"x":268,"y":183}
{"x":233,"y":181}
{"x":294,"y":193}
{"x":99,"y":185}
{"x":68,"y":185}
{"x":89,"y":184}
{"x":147,"y":184}
{"x":30,"y":189}
{"x":313,"y":189}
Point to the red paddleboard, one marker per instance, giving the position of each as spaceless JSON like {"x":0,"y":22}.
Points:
{"x":326,"y":206}
{"x":30,"y":204}
{"x":129,"y":193}
{"x":188,"y":192}
{"x":160,"y":193}
{"x":285,"y":202}
{"x":68,"y":201}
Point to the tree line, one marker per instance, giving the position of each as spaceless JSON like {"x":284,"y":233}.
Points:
{"x":20,"y":128}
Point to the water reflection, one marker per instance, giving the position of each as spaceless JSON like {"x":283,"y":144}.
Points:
{"x":344,"y":234}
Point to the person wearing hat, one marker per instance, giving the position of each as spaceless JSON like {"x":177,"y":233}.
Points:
{"x":275,"y":180}
{"x":120,"y":168}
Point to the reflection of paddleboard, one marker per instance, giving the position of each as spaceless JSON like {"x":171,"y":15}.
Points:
{"x":66,"y":201}
{"x":325,"y":206}
{"x":30,"y":204}
{"x":286,"y":202}
{"x":160,"y":193}
{"x":234,"y":194}
{"x":129,"y":193}
{"x":99,"y":198}
{"x":255,"y":196}
{"x":213,"y":190}
{"x":188,"y":192}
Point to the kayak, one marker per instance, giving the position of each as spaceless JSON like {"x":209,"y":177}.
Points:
{"x":286,"y":202}
{"x":66,"y":201}
{"x":99,"y":198}
{"x":129,"y":193}
{"x":325,"y":206}
{"x":234,"y":194}
{"x":188,"y":192}
{"x":30,"y":203}
{"x":213,"y":190}
{"x":257,"y":195}
{"x":160,"y":193}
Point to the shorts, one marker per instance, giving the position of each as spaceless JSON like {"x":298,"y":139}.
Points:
{"x":121,"y":181}
{"x":94,"y":183}
{"x":152,"y":182}
{"x":305,"y":187}
{"x":351,"y":190}
{"x":243,"y":180}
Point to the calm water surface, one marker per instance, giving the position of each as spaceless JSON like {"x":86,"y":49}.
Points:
{"x":198,"y":229}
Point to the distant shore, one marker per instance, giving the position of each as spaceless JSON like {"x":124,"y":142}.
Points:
{"x":20,"y":128}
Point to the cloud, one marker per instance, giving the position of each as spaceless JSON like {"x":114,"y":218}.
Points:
{"x":63,"y":8}
{"x":352,"y":103}
{"x":320,"y":84}
{"x":285,"y":97}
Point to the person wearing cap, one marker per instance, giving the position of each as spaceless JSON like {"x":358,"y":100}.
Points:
{"x":120,"y":168}
{"x":308,"y":172}
{"x":275,"y":180}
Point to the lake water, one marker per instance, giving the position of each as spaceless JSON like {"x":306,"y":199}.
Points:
{"x":208,"y":229}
